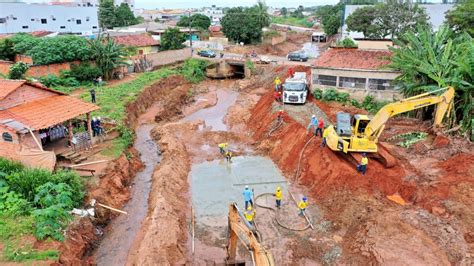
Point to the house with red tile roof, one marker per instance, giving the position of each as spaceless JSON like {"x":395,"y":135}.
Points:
{"x":144,"y":43}
{"x":34,"y":117}
{"x":359,"y":72}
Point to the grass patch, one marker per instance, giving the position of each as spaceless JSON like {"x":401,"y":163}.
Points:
{"x":287,"y":20}
{"x":12,"y":230}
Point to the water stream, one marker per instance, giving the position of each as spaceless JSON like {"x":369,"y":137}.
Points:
{"x":117,"y":242}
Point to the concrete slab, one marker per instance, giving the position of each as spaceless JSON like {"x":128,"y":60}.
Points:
{"x":216,"y":184}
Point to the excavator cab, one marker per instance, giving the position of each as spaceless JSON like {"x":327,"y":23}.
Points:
{"x":359,"y":123}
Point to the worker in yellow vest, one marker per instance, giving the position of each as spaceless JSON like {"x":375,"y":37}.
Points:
{"x":222,"y":147}
{"x":302,"y":205}
{"x":325,"y":135}
{"x":277,"y":83}
{"x":278,"y":197}
{"x":362,"y":167}
{"x":249,"y":214}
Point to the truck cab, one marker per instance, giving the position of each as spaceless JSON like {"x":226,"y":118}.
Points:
{"x":295,"y":90}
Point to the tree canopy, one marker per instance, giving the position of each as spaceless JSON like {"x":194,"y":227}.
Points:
{"x":172,"y":39}
{"x":198,"y":21}
{"x":330,"y":17}
{"x":111,"y":16}
{"x":245,"y":24}
{"x":107,"y":55}
{"x":6,"y":49}
{"x":391,"y":19}
{"x":461,"y":18}
{"x":429,"y":60}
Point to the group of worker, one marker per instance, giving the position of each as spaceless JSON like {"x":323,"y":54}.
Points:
{"x":226,"y":151}
{"x":249,"y":212}
{"x":318,"y":125}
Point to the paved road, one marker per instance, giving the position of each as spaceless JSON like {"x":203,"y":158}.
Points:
{"x":294,"y":28}
{"x":280,"y":60}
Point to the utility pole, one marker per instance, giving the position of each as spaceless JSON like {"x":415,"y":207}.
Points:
{"x":190,"y":36}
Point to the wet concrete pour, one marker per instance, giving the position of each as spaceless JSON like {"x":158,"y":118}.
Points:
{"x":216,"y":184}
{"x":114,"y":248}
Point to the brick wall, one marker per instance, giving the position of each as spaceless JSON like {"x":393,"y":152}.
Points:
{"x":24,"y":58}
{"x":24,"y":94}
{"x":5,"y":67}
{"x":168,"y":57}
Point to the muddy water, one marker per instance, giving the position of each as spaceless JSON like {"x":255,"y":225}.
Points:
{"x":114,"y":248}
{"x":214,"y":116}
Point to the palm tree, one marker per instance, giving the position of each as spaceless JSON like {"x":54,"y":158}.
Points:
{"x":429,"y":60}
{"x":261,"y":11}
{"x":107,"y":55}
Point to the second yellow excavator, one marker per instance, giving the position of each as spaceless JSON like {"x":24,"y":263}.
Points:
{"x":361,"y":133}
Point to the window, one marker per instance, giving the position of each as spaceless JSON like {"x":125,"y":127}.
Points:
{"x":62,"y":27}
{"x":68,"y":20}
{"x":14,"y":18}
{"x":44,"y":21}
{"x":54,"y":19}
{"x":32,"y":19}
{"x":348,"y":82}
{"x":3,"y":20}
{"x":78,"y":21}
{"x":94,"y":27}
{"x":325,"y":80}
{"x":24,"y":27}
{"x":380,"y":84}
{"x":7,"y":137}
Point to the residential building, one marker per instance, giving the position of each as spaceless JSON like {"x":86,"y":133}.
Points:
{"x":359,"y":72}
{"x":155,"y":29}
{"x":214,"y":13}
{"x":144,"y":43}
{"x":35,"y":120}
{"x":161,"y":14}
{"x":22,"y":17}
{"x":90,"y":3}
{"x":435,"y":12}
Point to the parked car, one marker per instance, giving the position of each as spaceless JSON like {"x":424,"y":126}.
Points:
{"x":297,"y":56}
{"x":207,"y":53}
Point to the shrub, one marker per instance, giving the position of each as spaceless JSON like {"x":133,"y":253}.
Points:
{"x":84,"y":72}
{"x":332,"y":94}
{"x":318,"y":94}
{"x":53,"y":81}
{"x":18,"y":70}
{"x":12,"y":203}
{"x":194,"y":70}
{"x":346,"y":43}
{"x":49,"y":222}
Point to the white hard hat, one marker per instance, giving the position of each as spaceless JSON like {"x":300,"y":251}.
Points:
{"x":98,"y":118}
{"x":246,"y":187}
{"x":314,"y":116}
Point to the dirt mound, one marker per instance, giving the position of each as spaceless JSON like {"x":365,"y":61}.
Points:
{"x":163,"y":235}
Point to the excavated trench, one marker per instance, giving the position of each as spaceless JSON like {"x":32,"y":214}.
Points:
{"x":118,"y":240}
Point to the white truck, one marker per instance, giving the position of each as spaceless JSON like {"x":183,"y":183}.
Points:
{"x":295,"y":90}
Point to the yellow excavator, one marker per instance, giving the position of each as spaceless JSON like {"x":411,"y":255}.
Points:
{"x":361,"y":133}
{"x":240,"y":229}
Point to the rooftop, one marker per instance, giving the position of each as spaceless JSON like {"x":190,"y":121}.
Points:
{"x":139,"y":40}
{"x":42,"y":113}
{"x":353,"y":59}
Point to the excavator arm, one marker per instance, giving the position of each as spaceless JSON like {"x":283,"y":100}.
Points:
{"x":444,"y":103}
{"x":239,"y":230}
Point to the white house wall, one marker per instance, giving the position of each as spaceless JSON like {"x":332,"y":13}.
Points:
{"x":22,"y":17}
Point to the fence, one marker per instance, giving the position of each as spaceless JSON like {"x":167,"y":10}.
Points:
{"x":40,"y":70}
{"x":169,"y":57}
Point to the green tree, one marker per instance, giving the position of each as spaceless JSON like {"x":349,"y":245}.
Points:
{"x":6,"y":49}
{"x":106,"y":14}
{"x":243,"y":24}
{"x":428,"y":60}
{"x":172,"y":39}
{"x":124,"y":16}
{"x":330,"y":17}
{"x":107,"y":55}
{"x":260,"y":12}
{"x":59,"y":49}
{"x":363,"y":20}
{"x":284,"y":11}
{"x":298,"y":13}
{"x":18,"y":70}
{"x":198,"y":21}
{"x":461,"y":18}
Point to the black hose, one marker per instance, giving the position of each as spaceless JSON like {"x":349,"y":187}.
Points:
{"x":276,"y":219}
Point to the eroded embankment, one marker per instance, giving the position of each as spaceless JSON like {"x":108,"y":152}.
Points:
{"x":357,"y":204}
{"x":114,"y":187}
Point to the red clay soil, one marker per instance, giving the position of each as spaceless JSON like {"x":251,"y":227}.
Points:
{"x":113,"y":190}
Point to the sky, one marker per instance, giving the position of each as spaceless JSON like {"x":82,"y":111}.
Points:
{"x":224,"y":3}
